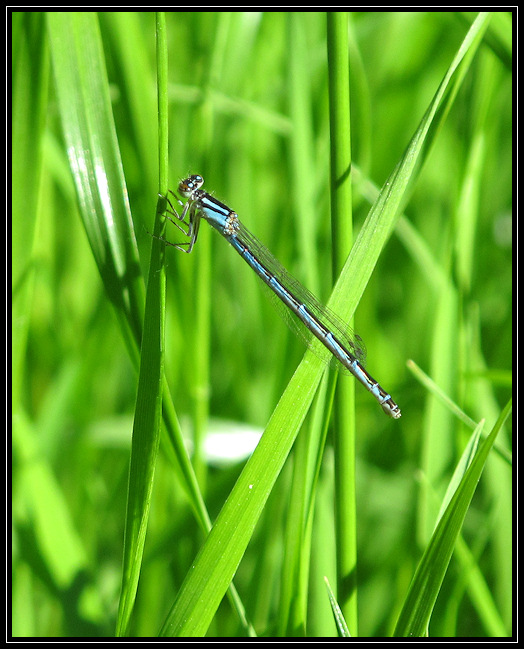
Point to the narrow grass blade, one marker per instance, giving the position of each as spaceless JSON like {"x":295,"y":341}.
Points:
{"x":29,"y":97}
{"x":395,"y":191}
{"x":87,"y":121}
{"x":218,"y":559}
{"x":146,"y":433}
{"x":343,"y":631}
{"x":418,"y":606}
{"x":342,"y":239}
{"x":83,"y":92}
{"x":148,"y":412}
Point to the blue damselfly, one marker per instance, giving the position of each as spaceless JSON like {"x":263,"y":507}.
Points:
{"x":345,"y":346}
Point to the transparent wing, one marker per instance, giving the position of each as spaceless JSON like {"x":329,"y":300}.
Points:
{"x":341,"y":330}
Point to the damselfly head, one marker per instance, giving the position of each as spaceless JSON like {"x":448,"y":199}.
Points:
{"x":189,"y":185}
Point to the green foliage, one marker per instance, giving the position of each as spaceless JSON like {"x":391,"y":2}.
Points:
{"x":243,"y":100}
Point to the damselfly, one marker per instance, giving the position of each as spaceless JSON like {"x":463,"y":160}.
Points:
{"x":320,"y":321}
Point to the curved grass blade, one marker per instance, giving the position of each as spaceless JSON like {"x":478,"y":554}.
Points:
{"x":85,"y":108}
{"x":418,"y":606}
{"x":342,"y":627}
{"x":87,"y":120}
{"x":216,"y":563}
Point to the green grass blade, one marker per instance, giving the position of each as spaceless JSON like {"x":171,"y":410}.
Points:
{"x":146,"y":427}
{"x":418,"y":606}
{"x":342,"y":238}
{"x":83,"y":92}
{"x":146,"y":433}
{"x":30,"y":90}
{"x":342,"y":627}
{"x":395,"y":191}
{"x":213,"y":568}
{"x":87,"y":122}
{"x":248,"y":101}
{"x":86,"y":113}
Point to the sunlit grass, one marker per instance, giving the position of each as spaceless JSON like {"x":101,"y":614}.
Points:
{"x":248,"y":106}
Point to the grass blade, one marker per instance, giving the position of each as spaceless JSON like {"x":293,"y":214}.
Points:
{"x":87,"y":120}
{"x":343,"y":631}
{"x":418,"y":606}
{"x":148,"y":413}
{"x":342,"y":238}
{"x":213,"y":569}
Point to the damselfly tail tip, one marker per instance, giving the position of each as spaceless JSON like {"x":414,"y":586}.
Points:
{"x":391,"y":409}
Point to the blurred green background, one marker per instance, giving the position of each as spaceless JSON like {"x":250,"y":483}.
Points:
{"x":249,"y":111}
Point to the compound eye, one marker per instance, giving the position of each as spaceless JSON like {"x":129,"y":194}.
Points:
{"x":197,"y":181}
{"x":189,"y":185}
